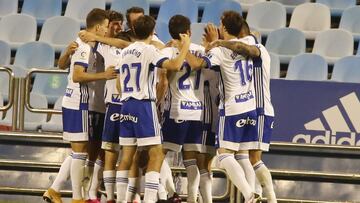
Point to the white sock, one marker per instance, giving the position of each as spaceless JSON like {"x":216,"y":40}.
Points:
{"x":96,"y":180}
{"x":62,"y":175}
{"x":77,"y":174}
{"x":109,"y":183}
{"x":193,"y":178}
{"x":151,"y":186}
{"x":88,"y":175}
{"x":121,"y":184}
{"x":131,"y":189}
{"x":162,"y":194}
{"x":206,"y":186}
{"x":236,"y":174}
{"x":265,"y":179}
{"x":243,"y":160}
{"x":258,"y":188}
{"x":166,"y":178}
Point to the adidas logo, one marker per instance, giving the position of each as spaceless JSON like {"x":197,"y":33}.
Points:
{"x":340,"y":125}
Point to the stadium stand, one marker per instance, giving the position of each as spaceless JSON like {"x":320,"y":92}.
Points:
{"x":55,"y":122}
{"x":169,"y":8}
{"x":347,"y":70}
{"x":52,"y":86}
{"x":258,"y":17}
{"x":291,"y":4}
{"x":8,"y":7}
{"x":337,"y":7}
{"x":286,"y":43}
{"x":79,"y":9}
{"x":5,"y":53}
{"x":246,"y":4}
{"x":274,"y":66}
{"x":20,"y":28}
{"x":214,"y":9}
{"x":122,"y":5}
{"x":162,"y":31}
{"x":42,"y":9}
{"x":307,"y":67}
{"x":350,"y":21}
{"x":334,"y":44}
{"x":197,"y":30}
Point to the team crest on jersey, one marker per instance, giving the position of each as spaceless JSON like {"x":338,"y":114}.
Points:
{"x":68,"y":92}
{"x":244,"y":97}
{"x":190,"y":105}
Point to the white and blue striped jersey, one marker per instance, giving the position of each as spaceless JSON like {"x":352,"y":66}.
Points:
{"x":237,"y":94}
{"x":76,"y":94}
{"x":262,"y":82}
{"x":111,"y":56}
{"x":185,"y":98}
{"x":137,"y":71}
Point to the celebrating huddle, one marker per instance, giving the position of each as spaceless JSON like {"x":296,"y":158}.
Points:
{"x":129,"y":92}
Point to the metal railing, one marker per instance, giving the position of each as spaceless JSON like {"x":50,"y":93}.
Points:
{"x":12,"y":97}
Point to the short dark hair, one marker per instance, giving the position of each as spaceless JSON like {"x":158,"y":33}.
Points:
{"x":232,"y":21}
{"x":133,"y":9}
{"x":143,"y":27}
{"x":178,"y":24}
{"x":95,"y":17}
{"x":115,"y":16}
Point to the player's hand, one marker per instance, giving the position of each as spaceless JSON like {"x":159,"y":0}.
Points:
{"x":211,"y":33}
{"x":87,"y":36}
{"x":110,"y":73}
{"x":185,"y":39}
{"x":71,"y":48}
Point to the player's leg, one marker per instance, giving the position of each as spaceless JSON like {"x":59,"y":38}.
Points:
{"x":97,"y":177}
{"x":203,"y":161}
{"x":122,"y":173}
{"x":242,"y":157}
{"x":133,"y":176}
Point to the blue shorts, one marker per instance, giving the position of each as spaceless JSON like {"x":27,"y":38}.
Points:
{"x":265,"y":127}
{"x":75,"y":125}
{"x":111,"y":133}
{"x":178,"y":133}
{"x":139,"y":123}
{"x":96,"y":125}
{"x":235,"y":132}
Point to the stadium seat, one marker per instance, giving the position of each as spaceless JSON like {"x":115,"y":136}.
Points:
{"x":35,"y":55}
{"x":79,"y":9}
{"x":246,"y":4}
{"x":334,"y":44}
{"x":311,"y":18}
{"x":337,"y":7}
{"x":8,"y":7}
{"x":170,"y":8}
{"x":347,"y":69}
{"x":55,"y":122}
{"x":258,"y":17}
{"x":162,"y":31}
{"x":5,"y":53}
{"x":274,"y":66}
{"x":214,"y":9}
{"x":358,"y":50}
{"x":197,"y":30}
{"x":59,"y":31}
{"x":52,"y":86}
{"x":20,"y":28}
{"x":42,"y":9}
{"x":122,"y":5}
{"x":350,"y":20}
{"x":286,"y":43}
{"x":307,"y":67}
{"x":291,"y":4}
{"x":4,"y":85}
{"x":1,"y":104}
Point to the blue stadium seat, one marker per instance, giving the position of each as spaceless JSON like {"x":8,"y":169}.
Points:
{"x":337,"y":7}
{"x":347,"y":69}
{"x":42,"y":9}
{"x":197,"y":31}
{"x":59,"y":31}
{"x":246,"y":4}
{"x":122,"y":5}
{"x":52,"y":86}
{"x":55,"y":122}
{"x":311,"y":18}
{"x":350,"y":20}
{"x":5,"y":53}
{"x":291,"y":4}
{"x":20,"y":28}
{"x":214,"y":10}
{"x":162,"y":31}
{"x":1,"y":104}
{"x":4,"y":85}
{"x":307,"y":67}
{"x":170,"y":8}
{"x":334,"y":44}
{"x":258,"y":17}
{"x":358,"y":50}
{"x":286,"y":43}
{"x":274,"y":66}
{"x":8,"y":7}
{"x":79,"y":9}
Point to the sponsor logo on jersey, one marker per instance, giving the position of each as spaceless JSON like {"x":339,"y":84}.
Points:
{"x":244,"y":97}
{"x":115,"y":117}
{"x":248,"y":121}
{"x":128,"y":117}
{"x":68,"y":92}
{"x":190,"y":105}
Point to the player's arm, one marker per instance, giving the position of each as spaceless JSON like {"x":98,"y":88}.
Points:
{"x":161,"y":86}
{"x":90,"y":37}
{"x":176,"y":63}
{"x":64,"y":60}
{"x":246,"y":50}
{"x":195,"y":62}
{"x":81,"y":76}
